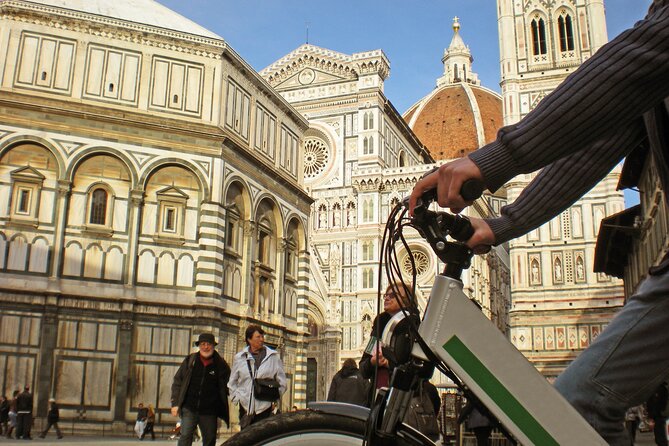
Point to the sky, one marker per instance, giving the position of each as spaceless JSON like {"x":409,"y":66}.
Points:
{"x":412,"y":33}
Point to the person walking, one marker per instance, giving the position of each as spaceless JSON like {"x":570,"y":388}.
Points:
{"x":477,"y":423}
{"x":12,"y":414}
{"x":657,"y":411}
{"x":24,"y":414}
{"x":349,"y":386}
{"x":4,"y":415}
{"x":52,"y":418}
{"x":150,"y":421}
{"x":633,"y":419}
{"x":255,"y":361}
{"x":200,"y":392}
{"x":140,"y":421}
{"x":613,"y":103}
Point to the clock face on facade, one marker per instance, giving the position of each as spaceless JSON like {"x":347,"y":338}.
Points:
{"x":306,"y":76}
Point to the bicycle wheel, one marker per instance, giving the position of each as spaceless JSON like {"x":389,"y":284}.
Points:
{"x":307,"y":428}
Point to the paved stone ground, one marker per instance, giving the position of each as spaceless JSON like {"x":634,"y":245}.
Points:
{"x":643,"y":439}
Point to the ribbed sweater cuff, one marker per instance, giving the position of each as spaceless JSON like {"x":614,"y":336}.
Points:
{"x":496,"y":164}
{"x":502,"y":227}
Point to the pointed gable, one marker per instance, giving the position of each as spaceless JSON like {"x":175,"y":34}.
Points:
{"x":27,"y":173}
{"x":313,"y":65}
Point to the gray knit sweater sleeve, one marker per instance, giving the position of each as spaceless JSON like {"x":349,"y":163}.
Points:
{"x":582,"y":129}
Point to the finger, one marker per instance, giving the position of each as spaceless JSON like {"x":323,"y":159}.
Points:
{"x":482,"y":249}
{"x":427,"y":183}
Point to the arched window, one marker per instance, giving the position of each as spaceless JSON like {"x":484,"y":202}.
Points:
{"x":403,"y":159}
{"x":456,"y":75}
{"x":538,"y":37}
{"x":368,"y":250}
{"x":367,"y":211}
{"x":566,"y":32}
{"x":350,"y":214}
{"x":98,"y":213}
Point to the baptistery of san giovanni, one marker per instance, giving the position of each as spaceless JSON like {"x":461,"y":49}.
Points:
{"x":151,"y":188}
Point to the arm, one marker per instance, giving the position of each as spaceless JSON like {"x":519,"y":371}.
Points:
{"x":280,"y":375}
{"x":233,"y":383}
{"x":611,"y":90}
{"x":332,"y":393}
{"x":560,"y":184}
{"x":176,"y":386}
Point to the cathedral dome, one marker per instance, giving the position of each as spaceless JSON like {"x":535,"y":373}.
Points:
{"x":459,"y":116}
{"x":456,"y":119}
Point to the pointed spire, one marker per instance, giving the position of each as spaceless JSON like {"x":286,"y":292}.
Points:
{"x":457,"y":60}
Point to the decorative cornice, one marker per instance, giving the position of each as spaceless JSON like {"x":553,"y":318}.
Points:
{"x":111,"y":28}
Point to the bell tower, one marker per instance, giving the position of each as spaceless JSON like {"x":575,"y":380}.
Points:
{"x":542,"y":42}
{"x":558,"y":304}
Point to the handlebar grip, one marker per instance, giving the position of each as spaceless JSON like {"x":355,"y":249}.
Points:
{"x":472,"y":189}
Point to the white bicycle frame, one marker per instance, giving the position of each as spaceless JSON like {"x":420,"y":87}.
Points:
{"x":514,"y":392}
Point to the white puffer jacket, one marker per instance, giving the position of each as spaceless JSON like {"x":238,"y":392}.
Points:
{"x":241,"y":382}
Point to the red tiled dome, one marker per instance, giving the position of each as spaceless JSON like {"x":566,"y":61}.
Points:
{"x":456,"y":119}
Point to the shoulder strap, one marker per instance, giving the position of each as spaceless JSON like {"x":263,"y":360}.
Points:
{"x":252,"y":381}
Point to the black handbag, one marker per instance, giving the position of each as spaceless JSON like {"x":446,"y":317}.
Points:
{"x":264,"y":389}
{"x":420,"y":415}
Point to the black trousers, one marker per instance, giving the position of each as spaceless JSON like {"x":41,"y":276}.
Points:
{"x":24,"y":422}
{"x":257,"y":417}
{"x":59,"y":434}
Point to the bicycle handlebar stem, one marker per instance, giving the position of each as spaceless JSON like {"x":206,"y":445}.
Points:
{"x":435,"y":227}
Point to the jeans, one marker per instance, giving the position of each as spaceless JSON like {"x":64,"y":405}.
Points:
{"x":625,"y":364}
{"x":189,"y":420}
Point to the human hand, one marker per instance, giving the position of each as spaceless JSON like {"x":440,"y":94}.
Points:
{"x":175,"y":411}
{"x":448,"y":180}
{"x":483,"y":237}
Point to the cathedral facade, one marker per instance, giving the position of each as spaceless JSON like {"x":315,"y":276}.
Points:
{"x":361,"y":158}
{"x":151,"y":188}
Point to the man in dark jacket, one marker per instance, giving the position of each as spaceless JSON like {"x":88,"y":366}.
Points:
{"x":24,"y":418}
{"x":4,"y":415}
{"x":348,"y":385}
{"x":200,"y":392}
{"x":52,"y":418}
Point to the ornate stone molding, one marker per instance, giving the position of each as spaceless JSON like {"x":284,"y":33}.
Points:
{"x":111,"y":28}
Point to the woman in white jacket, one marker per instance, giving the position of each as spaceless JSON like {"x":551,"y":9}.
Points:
{"x":256,"y":360}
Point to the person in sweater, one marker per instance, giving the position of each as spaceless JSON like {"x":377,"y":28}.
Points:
{"x":613,"y":103}
{"x":200,"y":392}
{"x":52,"y":418}
{"x":348,"y":385}
{"x":256,"y":360}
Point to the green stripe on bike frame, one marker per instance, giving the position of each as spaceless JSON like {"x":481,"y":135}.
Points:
{"x":498,"y":393}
